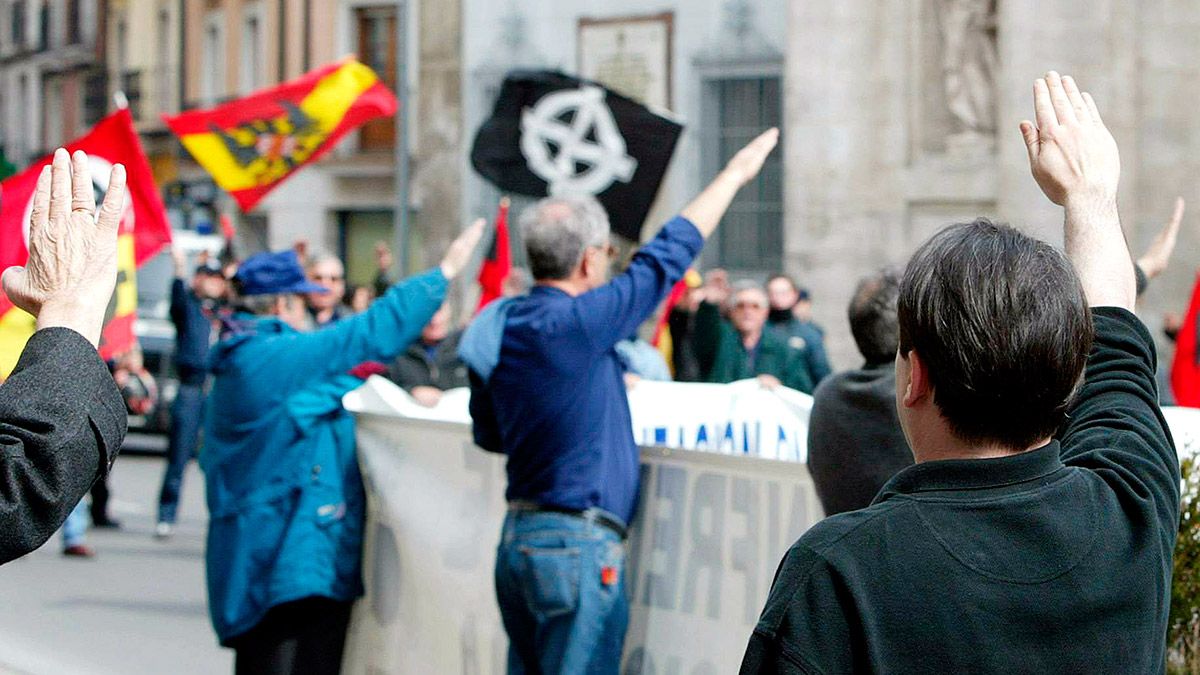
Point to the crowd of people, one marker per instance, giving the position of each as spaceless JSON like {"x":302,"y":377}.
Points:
{"x":1005,"y":413}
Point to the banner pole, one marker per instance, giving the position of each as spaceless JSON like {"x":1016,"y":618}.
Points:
{"x":401,"y":144}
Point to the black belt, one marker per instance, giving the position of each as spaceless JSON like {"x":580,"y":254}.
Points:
{"x":593,"y":515}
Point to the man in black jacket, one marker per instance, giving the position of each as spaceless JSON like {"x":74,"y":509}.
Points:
{"x":62,"y":419}
{"x":855,"y":443}
{"x":1036,"y":531}
{"x":431,"y":365}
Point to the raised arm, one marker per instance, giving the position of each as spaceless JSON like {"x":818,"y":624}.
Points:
{"x":1114,"y":426}
{"x":614,"y":311}
{"x":391,"y":323}
{"x":1075,"y":161}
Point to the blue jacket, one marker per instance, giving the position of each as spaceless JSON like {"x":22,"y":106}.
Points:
{"x":193,"y":333}
{"x":547,"y":387}
{"x":285,"y":498}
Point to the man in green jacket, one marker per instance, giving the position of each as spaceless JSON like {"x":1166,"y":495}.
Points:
{"x":740,"y":348}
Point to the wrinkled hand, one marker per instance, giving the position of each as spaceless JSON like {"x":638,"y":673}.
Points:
{"x":179,"y":261}
{"x":1071,"y":152}
{"x":383,"y":256}
{"x":1155,"y":259}
{"x":748,"y":161}
{"x":72,"y":267}
{"x":716,"y":289}
{"x":769,"y":382}
{"x":427,"y":396}
{"x":459,"y":253}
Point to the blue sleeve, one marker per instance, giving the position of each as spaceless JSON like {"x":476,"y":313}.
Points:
{"x":382,"y":332}
{"x":483,"y":416}
{"x":614,"y":311}
{"x":179,"y":303}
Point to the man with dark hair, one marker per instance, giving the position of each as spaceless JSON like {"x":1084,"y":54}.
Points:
{"x":791,"y":321}
{"x":1036,"y":531}
{"x":547,"y":391}
{"x":855,"y":443}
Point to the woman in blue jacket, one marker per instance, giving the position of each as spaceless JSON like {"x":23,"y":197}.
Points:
{"x":284,"y":494}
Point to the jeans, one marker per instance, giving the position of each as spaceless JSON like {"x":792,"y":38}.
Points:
{"x":560,"y":582}
{"x":74,"y":529}
{"x":185,"y":435}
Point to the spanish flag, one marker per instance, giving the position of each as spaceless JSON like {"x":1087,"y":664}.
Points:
{"x":144,"y":230}
{"x":252,"y":144}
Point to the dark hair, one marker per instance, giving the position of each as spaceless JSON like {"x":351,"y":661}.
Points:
{"x":873,"y":316}
{"x":1004,"y":328}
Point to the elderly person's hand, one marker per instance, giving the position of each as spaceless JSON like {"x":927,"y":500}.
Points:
{"x":461,"y":249}
{"x":72,"y":267}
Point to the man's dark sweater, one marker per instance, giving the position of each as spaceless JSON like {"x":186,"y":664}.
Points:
{"x":1057,"y":560}
{"x":855,"y":443}
{"x":193,"y":334}
{"x":424,"y":366}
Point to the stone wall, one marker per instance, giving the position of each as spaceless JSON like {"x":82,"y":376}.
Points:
{"x":876,"y":160}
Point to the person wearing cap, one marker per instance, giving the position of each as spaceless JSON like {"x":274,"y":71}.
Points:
{"x":285,"y":499}
{"x":193,"y":312}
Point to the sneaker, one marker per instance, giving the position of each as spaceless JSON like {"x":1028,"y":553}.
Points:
{"x":79,"y":551}
{"x":163,"y":530}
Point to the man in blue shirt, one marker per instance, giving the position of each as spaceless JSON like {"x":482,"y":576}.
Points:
{"x":547,"y":390}
{"x":285,"y":498}
{"x":193,"y":311}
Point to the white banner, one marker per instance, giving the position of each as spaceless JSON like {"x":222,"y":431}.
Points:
{"x":702,"y":552}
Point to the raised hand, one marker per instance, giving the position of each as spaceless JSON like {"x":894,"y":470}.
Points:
{"x":1071,"y":152}
{"x":72,"y":267}
{"x":707,"y":209}
{"x":459,"y":253}
{"x":1155,"y":259}
{"x":748,"y":161}
{"x":1074,"y":160}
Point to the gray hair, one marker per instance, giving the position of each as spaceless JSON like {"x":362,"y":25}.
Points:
{"x":264,"y":304}
{"x":743,"y":285}
{"x":322,"y":257}
{"x":557,"y":231}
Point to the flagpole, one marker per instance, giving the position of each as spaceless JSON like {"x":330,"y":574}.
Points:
{"x":401,"y":144}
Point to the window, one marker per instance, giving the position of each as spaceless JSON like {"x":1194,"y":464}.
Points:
{"x":377,"y":49}
{"x":95,"y":95}
{"x":44,"y":26}
{"x":253,"y":57}
{"x":163,"y":81}
{"x":212,"y":59}
{"x":738,"y":109}
{"x":18,"y":24}
{"x":73,"y":23}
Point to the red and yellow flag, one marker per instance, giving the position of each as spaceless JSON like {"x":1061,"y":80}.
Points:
{"x":252,"y":144}
{"x":144,"y":230}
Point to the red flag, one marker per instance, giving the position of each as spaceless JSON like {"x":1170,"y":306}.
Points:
{"x":252,"y":144}
{"x":144,"y":225}
{"x":1185,"y":369}
{"x":498,"y":263}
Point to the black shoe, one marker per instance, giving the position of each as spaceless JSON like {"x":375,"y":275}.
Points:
{"x":107,"y":523}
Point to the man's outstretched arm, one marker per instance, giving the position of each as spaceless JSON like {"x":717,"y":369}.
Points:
{"x":614,"y":311}
{"x":1075,"y":161}
{"x":1115,"y":426}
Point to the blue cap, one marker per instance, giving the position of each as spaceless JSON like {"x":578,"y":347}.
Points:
{"x":272,"y":273}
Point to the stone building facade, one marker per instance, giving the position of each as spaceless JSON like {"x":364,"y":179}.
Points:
{"x":902,"y":118}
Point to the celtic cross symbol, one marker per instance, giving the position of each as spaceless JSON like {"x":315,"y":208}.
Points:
{"x":581,"y":164}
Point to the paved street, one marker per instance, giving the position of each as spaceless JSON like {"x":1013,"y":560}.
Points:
{"x":137,"y":607}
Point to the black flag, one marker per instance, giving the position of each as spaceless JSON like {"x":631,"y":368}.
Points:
{"x":551,"y":133}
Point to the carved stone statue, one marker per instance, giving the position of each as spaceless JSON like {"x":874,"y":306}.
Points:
{"x":969,"y":63}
